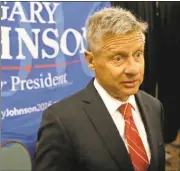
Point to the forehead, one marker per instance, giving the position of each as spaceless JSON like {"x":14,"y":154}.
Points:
{"x":129,"y":42}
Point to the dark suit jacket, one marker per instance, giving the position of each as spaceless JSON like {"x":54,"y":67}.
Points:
{"x":78,"y":134}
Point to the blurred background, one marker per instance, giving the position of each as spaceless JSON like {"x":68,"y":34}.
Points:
{"x":42,"y":62}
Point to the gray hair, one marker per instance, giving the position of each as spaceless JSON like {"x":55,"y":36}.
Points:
{"x":112,"y":20}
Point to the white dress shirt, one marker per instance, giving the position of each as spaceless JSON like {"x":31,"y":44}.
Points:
{"x":113,"y":105}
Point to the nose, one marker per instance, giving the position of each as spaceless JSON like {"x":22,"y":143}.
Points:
{"x":132,"y":67}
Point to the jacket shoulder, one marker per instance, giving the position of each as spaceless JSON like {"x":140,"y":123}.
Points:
{"x":147,"y":97}
{"x":67,"y":105}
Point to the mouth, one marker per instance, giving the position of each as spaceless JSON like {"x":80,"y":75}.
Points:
{"x":130,"y":84}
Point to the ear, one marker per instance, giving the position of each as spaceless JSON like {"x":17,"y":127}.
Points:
{"x":90,"y":59}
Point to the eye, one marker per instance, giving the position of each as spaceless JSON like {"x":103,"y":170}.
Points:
{"x":118,"y":58}
{"x":138,"y":54}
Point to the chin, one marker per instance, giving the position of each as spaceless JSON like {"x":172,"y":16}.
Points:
{"x":130,"y":92}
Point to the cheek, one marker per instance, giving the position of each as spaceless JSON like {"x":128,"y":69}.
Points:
{"x":142,"y":73}
{"x":99,"y":66}
{"x":103,"y":71}
{"x":142,"y":69}
{"x":141,"y":66}
{"x":116,"y":71}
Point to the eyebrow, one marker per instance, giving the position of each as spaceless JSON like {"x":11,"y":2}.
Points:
{"x":125,"y":53}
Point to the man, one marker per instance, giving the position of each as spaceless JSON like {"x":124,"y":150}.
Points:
{"x":110,"y":125}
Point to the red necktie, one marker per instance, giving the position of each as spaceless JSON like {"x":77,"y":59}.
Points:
{"x":136,"y":148}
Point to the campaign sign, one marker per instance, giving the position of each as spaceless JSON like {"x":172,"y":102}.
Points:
{"x":42,"y":62}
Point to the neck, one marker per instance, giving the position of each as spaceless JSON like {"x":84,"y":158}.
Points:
{"x":123,"y":99}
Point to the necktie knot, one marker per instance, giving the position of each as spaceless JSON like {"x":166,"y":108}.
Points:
{"x":125,"y":110}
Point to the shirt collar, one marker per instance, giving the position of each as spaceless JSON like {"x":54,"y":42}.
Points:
{"x":110,"y":102}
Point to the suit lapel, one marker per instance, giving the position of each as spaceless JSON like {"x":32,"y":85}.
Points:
{"x":148,"y":120}
{"x":105,"y":127}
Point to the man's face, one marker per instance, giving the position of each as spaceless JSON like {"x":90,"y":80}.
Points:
{"x":119,"y":64}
